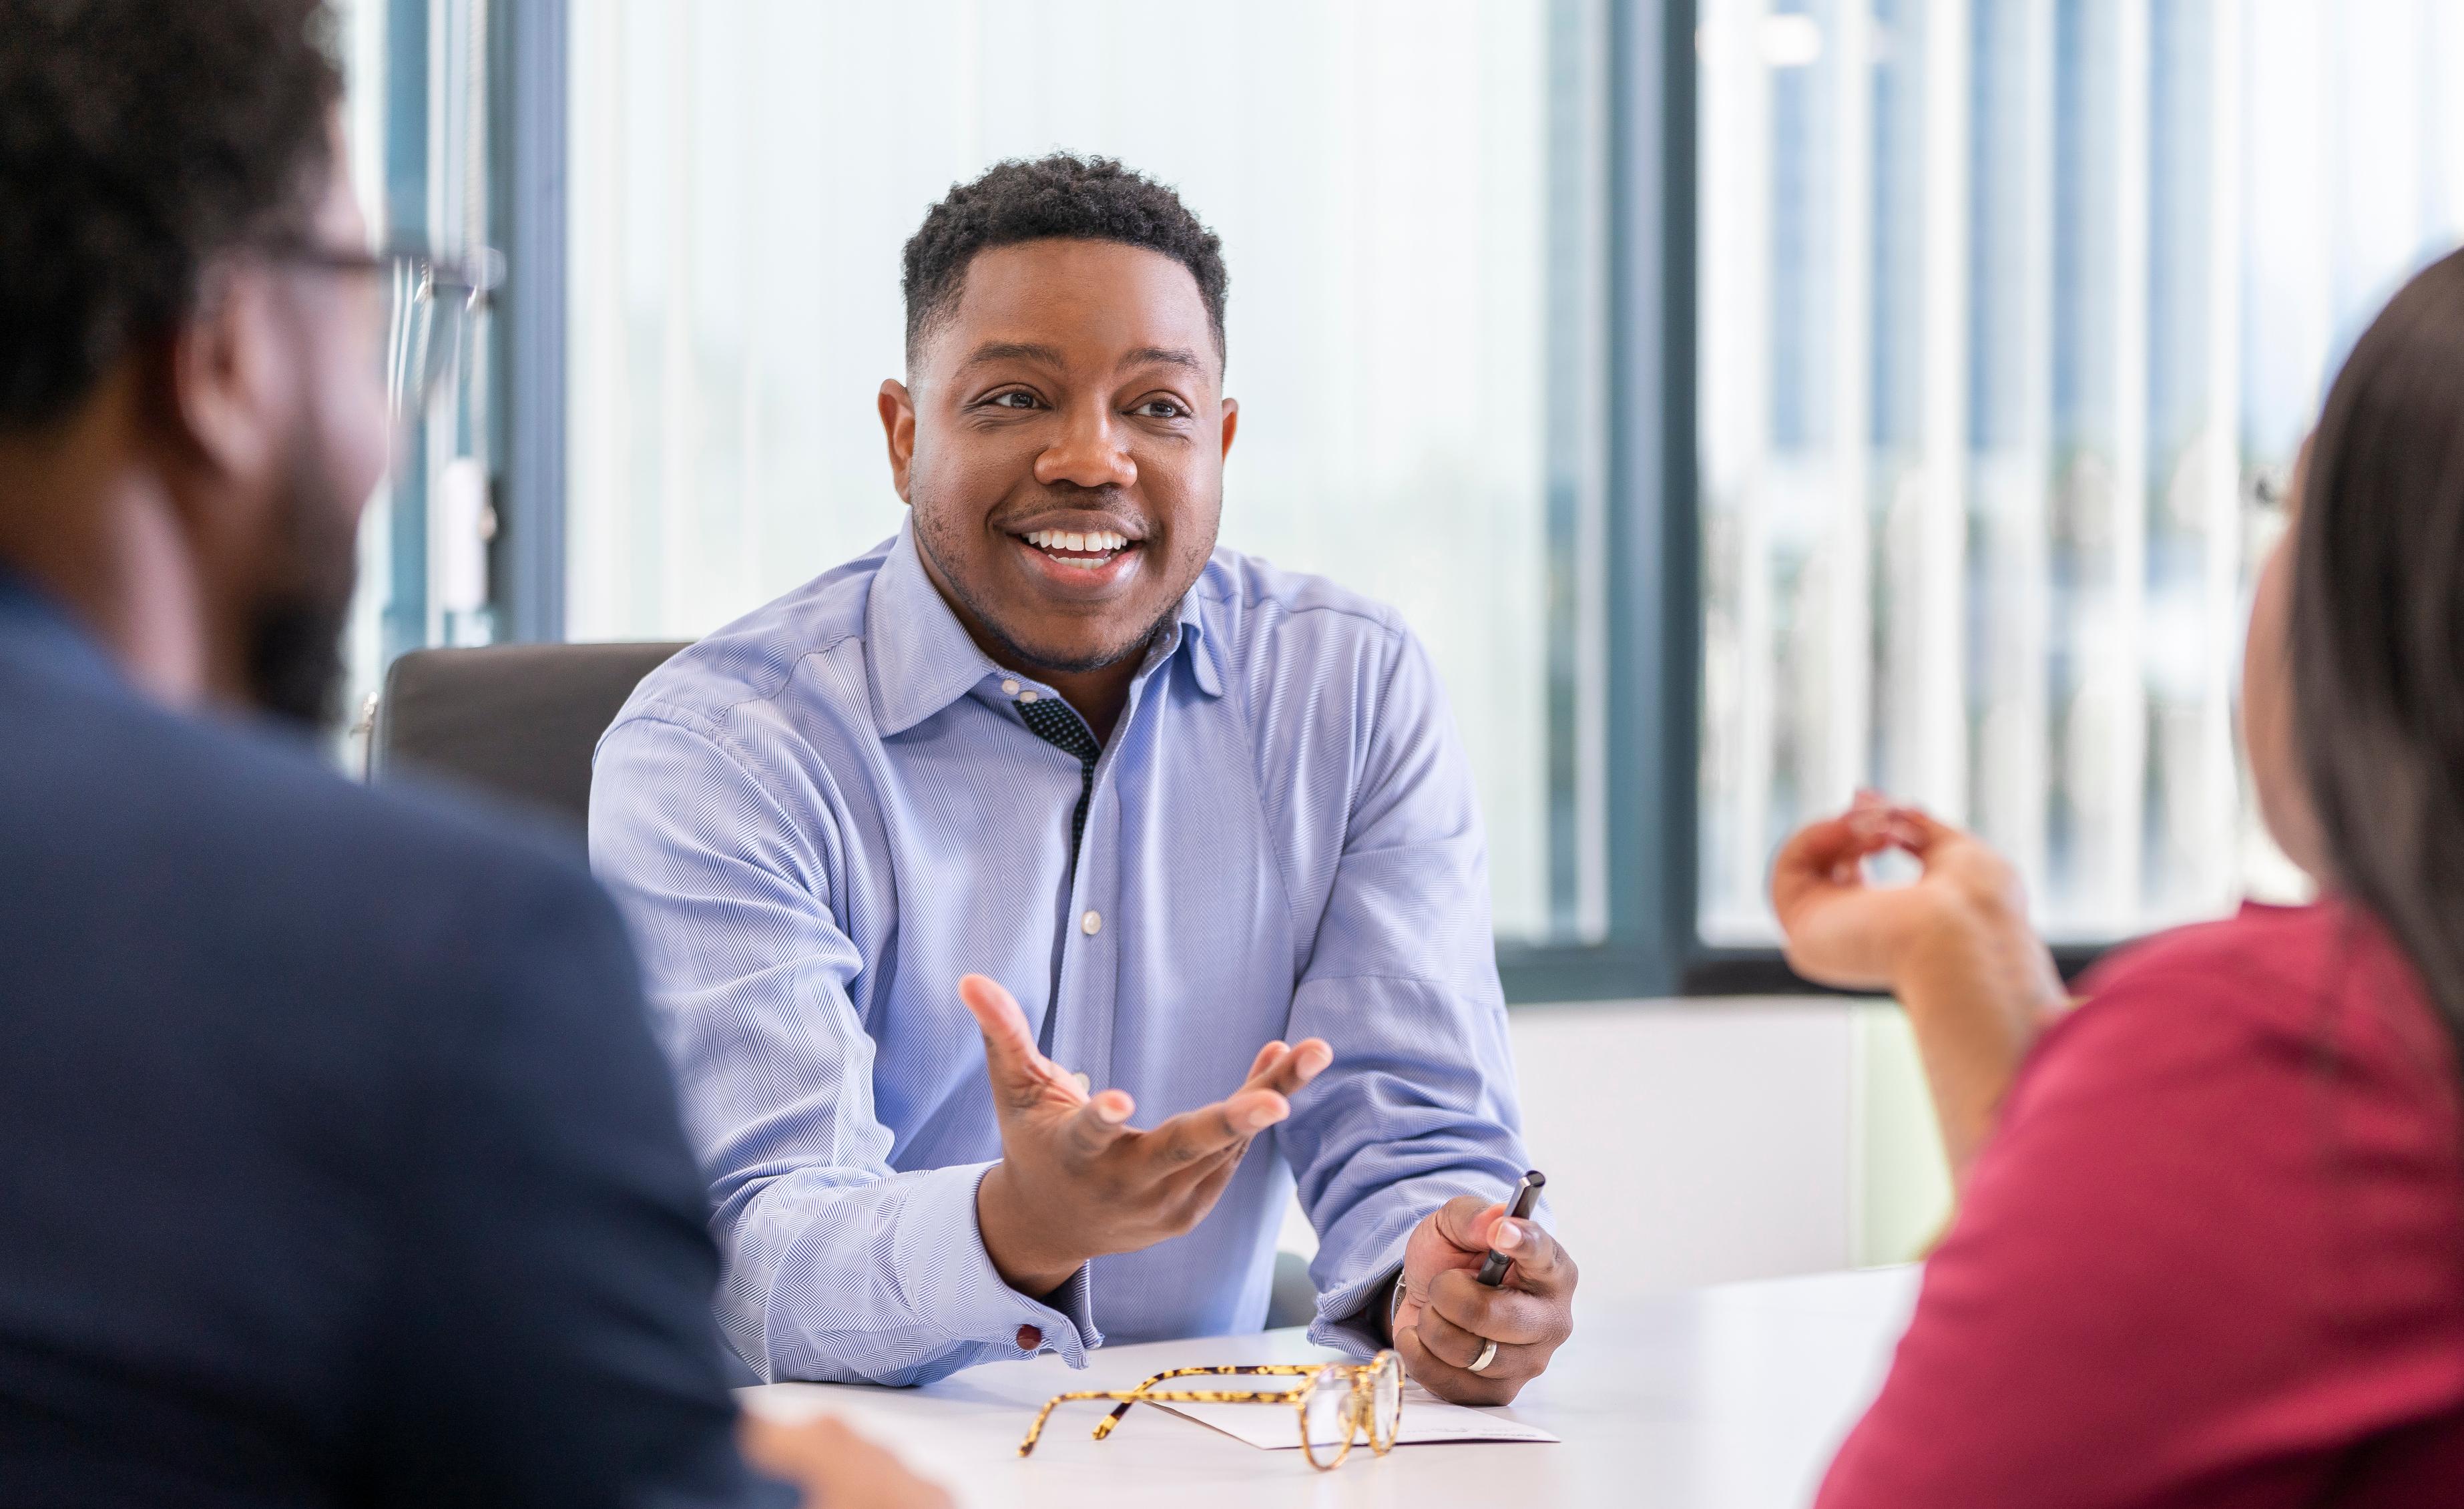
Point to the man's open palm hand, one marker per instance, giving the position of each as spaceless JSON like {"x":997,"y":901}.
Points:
{"x":1076,"y":1180}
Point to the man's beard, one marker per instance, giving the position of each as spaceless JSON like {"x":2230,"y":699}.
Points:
{"x":1025,"y":657}
{"x":295,"y":629}
{"x":1016,"y":654}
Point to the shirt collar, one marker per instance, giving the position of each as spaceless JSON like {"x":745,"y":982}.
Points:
{"x":923,"y":659}
{"x":1193,"y":639}
{"x":34,"y":628}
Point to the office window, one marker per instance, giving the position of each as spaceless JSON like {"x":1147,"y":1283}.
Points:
{"x":2005,"y":308}
{"x":416,"y":112}
{"x":1410,"y":195}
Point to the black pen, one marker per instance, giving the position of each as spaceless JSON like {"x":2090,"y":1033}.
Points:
{"x":1527,"y":1194}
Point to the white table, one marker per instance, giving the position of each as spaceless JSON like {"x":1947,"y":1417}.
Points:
{"x":1725,"y":1398}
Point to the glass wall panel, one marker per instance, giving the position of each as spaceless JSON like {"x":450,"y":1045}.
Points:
{"x":1409,"y":198}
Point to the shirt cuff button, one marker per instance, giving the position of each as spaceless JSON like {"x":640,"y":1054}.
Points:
{"x":1029,"y":1338}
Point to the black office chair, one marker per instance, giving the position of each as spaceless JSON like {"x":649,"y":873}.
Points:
{"x":515,"y":720}
{"x":1293,"y":1299}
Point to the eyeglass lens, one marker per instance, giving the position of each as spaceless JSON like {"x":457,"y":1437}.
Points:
{"x":1386,"y":1401}
{"x":1327,"y":1416}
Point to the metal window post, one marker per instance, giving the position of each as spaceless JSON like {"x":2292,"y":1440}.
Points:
{"x":1653,"y":610}
{"x":527,"y":104}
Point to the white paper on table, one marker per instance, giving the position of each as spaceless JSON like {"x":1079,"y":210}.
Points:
{"x":1427,"y":1420}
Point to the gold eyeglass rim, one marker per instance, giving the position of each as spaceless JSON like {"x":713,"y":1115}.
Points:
{"x":1360,"y":1415}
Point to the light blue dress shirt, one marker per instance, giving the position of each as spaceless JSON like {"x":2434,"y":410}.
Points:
{"x":820,"y":816}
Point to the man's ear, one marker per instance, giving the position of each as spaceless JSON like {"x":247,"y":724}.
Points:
{"x":898,"y":426}
{"x":1231,"y":422}
{"x":225,"y":376}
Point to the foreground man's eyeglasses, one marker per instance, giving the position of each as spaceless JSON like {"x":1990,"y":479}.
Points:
{"x":1340,"y":1403}
{"x":433,"y":304}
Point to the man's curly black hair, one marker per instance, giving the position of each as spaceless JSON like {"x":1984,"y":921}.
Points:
{"x":139,"y":141}
{"x":1060,"y":196}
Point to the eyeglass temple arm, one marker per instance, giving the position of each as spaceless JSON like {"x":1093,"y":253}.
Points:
{"x":1104,"y":1427}
{"x":1228,"y":1369}
{"x":1035,"y":1432}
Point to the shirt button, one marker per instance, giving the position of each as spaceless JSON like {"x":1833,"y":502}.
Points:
{"x":1092,"y":923}
{"x":1025,"y":697}
{"x":1009,"y":689}
{"x":1029,"y":1339}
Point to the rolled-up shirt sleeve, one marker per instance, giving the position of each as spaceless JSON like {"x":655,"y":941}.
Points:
{"x":837,"y":1268}
{"x":1420,"y":1104}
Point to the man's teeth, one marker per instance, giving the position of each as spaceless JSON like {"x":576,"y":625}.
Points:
{"x":1100,"y":540}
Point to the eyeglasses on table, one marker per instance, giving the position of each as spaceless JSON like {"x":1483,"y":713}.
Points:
{"x":1341,"y":1403}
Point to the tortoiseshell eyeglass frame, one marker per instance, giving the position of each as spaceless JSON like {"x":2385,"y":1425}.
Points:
{"x":1360,"y":1416}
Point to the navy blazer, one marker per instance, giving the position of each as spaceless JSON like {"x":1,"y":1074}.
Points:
{"x":336,"y":1163}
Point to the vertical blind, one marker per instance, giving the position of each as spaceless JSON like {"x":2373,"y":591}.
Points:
{"x":2006,"y":308}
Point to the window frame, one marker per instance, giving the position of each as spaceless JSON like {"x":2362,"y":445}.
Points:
{"x":1654,"y":657}
{"x":1655,"y":948}
{"x":527,"y":101}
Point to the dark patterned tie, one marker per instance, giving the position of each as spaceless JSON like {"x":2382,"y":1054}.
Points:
{"x":1057,"y":725}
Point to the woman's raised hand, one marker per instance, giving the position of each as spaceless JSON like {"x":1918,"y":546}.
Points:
{"x":1953,"y":945}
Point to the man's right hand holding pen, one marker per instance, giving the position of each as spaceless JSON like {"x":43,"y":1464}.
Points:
{"x":1444,"y":1318}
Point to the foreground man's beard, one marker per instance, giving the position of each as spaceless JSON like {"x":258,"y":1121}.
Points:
{"x":295,"y":634}
{"x":295,"y":659}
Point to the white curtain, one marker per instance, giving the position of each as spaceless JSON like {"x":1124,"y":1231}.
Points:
{"x":743,"y":177}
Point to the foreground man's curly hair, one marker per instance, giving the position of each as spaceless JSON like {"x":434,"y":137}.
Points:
{"x":140,"y":140}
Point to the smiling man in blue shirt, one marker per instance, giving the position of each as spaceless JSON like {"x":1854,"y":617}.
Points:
{"x":1048,"y":793}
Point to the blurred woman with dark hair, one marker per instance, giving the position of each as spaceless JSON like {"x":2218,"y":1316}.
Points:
{"x":2211,"y":1240}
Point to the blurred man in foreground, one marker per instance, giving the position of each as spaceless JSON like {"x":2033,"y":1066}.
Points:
{"x":337,"y":1164}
